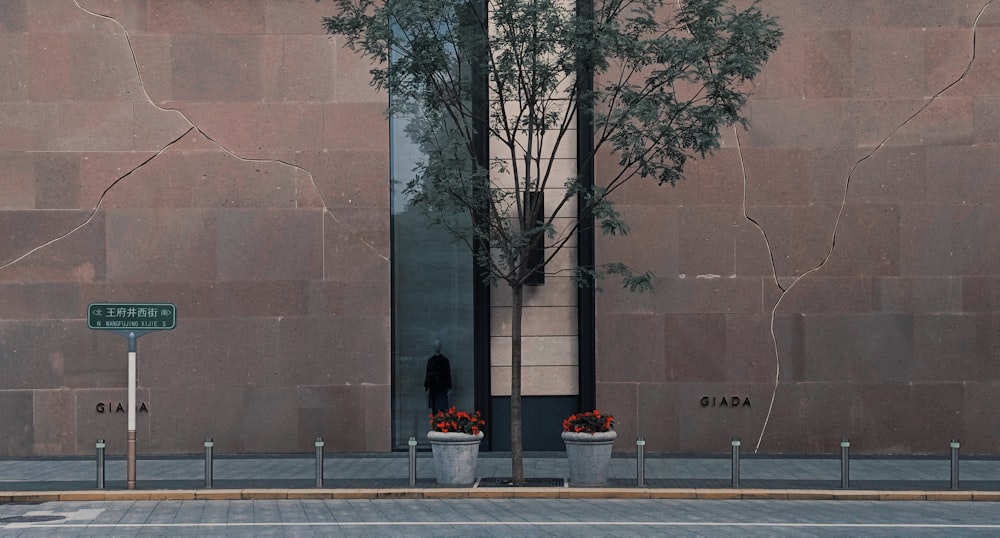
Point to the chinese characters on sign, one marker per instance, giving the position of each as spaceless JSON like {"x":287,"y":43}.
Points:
{"x":132,"y":316}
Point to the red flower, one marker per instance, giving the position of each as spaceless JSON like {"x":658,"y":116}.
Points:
{"x":590,"y":422}
{"x":457,"y":421}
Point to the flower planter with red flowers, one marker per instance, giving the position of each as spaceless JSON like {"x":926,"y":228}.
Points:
{"x":589,"y":438}
{"x":455,"y":438}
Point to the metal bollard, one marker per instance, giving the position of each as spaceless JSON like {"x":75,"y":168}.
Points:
{"x":954,"y":463}
{"x":319,"y":462}
{"x":100,"y":463}
{"x":412,"y":447}
{"x":845,"y":463}
{"x":209,"y":444}
{"x":736,"y":461}
{"x":640,"y":463}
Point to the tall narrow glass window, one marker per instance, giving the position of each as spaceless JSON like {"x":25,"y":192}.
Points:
{"x":432,"y":303}
{"x":439,"y":306}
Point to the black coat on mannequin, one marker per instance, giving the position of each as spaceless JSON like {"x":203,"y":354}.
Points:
{"x":437,"y":380}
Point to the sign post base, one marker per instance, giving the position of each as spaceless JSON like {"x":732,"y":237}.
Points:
{"x":131,"y":459}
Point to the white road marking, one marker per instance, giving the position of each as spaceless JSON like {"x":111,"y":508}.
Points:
{"x":515,"y":524}
{"x":83,"y":514}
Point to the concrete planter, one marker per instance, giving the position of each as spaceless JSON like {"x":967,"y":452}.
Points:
{"x":455,"y":456}
{"x":589,"y":457}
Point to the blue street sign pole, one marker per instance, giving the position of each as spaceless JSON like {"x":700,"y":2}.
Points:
{"x":132,"y":320}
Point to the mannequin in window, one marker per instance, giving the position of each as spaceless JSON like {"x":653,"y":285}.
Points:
{"x":437,"y":380}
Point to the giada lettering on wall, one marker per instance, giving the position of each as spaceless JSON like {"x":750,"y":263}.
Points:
{"x":120,"y":407}
{"x":725,"y":401}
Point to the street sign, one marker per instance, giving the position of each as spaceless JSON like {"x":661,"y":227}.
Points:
{"x":132,"y":316}
{"x":131,"y":320}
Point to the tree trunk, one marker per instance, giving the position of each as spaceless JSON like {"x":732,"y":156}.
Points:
{"x":516,"y":452}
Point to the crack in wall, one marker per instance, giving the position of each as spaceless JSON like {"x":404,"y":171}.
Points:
{"x":97,"y":207}
{"x":840,"y":214}
{"x":192,"y":128}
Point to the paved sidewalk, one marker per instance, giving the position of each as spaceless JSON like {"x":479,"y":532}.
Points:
{"x":387,"y":475}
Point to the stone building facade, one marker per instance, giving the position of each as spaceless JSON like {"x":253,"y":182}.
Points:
{"x":830,"y":272}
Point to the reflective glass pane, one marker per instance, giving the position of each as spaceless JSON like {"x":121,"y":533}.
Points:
{"x":432,"y":302}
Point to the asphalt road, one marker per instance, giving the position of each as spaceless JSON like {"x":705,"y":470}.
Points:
{"x":501,"y":517}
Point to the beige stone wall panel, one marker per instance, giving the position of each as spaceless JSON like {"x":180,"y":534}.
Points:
{"x":537,"y":321}
{"x":557,"y":291}
{"x":537,"y":380}
{"x":537,"y":351}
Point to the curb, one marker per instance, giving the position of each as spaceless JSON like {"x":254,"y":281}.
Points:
{"x":497,"y":493}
